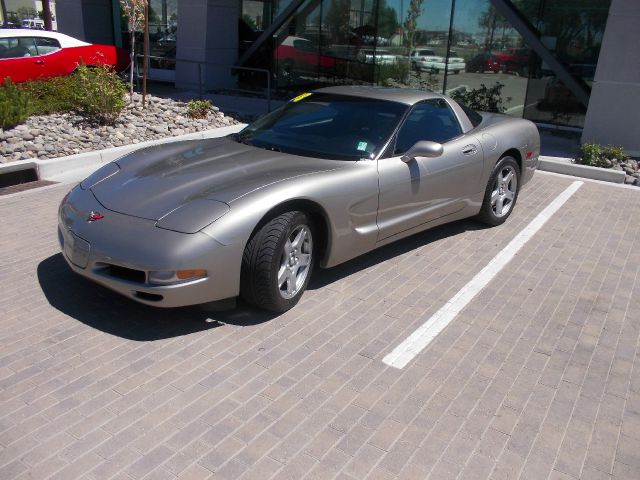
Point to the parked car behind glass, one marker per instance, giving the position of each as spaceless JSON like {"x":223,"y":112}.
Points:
{"x":484,"y":62}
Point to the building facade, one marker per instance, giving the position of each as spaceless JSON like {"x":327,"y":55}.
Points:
{"x":569,"y":64}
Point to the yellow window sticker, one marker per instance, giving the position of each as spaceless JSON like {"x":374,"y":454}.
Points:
{"x":300,"y":97}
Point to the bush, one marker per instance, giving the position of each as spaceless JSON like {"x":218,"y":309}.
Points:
{"x":484,"y":99}
{"x":15,"y":105}
{"x":54,"y":95}
{"x":613,"y":152}
{"x":596,"y":155}
{"x":98,"y":94}
{"x":198,"y":108}
{"x":397,"y":71}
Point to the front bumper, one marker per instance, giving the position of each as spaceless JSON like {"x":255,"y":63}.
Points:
{"x":118,"y":252}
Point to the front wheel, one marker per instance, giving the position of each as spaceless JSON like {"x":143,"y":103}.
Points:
{"x":277,"y":262}
{"x":501,"y":192}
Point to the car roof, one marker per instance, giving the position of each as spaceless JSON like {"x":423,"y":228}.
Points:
{"x":407,"y":96}
{"x":65,"y":40}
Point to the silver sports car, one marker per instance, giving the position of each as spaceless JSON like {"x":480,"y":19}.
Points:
{"x":326,"y":177}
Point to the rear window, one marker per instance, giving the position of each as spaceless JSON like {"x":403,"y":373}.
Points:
{"x":47,"y":45}
{"x":474,"y":117}
{"x":426,"y":52}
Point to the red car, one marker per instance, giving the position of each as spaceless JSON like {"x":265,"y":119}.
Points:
{"x":515,"y":60}
{"x":35,"y":54}
{"x":299,"y":55}
{"x":483,"y":62}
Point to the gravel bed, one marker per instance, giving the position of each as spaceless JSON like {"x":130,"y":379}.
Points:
{"x":59,"y":135}
{"x":630,"y":167}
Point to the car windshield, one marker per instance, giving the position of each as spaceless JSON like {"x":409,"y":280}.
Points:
{"x":329,"y":126}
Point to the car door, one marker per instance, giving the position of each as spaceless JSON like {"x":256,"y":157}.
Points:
{"x":19,"y":59}
{"x":424,"y":189}
{"x":51,"y":57}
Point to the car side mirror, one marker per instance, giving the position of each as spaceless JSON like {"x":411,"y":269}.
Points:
{"x":423,"y":148}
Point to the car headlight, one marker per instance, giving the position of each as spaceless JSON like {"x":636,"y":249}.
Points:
{"x":193,"y":216}
{"x":172,"y":277}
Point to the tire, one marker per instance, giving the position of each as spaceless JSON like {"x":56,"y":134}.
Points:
{"x":501,"y":193}
{"x":277,"y":262}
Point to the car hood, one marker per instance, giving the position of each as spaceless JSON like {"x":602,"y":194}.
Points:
{"x":155,"y":181}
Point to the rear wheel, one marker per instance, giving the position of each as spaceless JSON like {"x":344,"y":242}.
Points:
{"x":277,"y":262}
{"x":501,"y":193}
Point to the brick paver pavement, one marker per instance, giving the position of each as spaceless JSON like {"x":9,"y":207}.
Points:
{"x":538,"y":377}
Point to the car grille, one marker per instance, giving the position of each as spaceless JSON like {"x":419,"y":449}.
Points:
{"x":123,"y":273}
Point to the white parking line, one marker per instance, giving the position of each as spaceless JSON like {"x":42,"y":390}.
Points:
{"x":418,"y":340}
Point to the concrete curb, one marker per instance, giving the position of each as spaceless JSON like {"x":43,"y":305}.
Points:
{"x":77,"y":167}
{"x":566,"y":166}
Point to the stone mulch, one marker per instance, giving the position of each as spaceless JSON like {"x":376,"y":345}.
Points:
{"x":59,"y":135}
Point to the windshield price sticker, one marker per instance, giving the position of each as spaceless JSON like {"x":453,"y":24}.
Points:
{"x":300,"y":97}
{"x":362,"y":146}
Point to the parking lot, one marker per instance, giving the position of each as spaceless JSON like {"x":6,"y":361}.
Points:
{"x":536,"y":377}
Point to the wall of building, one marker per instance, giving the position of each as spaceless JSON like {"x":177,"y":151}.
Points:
{"x":613,"y":116}
{"x":208,"y":32}
{"x":88,"y":20}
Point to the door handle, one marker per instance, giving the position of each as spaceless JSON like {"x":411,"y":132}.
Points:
{"x":39,"y":62}
{"x":469,"y":150}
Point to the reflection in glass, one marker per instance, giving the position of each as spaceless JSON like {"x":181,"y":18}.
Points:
{"x":572,"y":30}
{"x":492,"y":52}
{"x":437,"y":45}
{"x":163,"y":34}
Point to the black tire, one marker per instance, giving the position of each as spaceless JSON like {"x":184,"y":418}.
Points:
{"x":488,"y":213}
{"x":262,"y":260}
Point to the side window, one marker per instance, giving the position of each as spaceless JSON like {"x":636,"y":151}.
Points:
{"x":430,"y":120}
{"x":17,"y":47}
{"x":47,"y":45}
{"x":5,"y":45}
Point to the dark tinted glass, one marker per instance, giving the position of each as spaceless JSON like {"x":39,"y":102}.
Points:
{"x":474,"y":117}
{"x":431,"y":120}
{"x":327,"y":126}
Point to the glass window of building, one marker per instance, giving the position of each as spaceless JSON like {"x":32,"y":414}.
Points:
{"x":438,"y":45}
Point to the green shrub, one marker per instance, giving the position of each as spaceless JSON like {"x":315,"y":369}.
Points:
{"x":15,"y":105}
{"x":591,"y":154}
{"x":397,"y":71}
{"x":484,"y":99}
{"x":613,"y":152}
{"x":53,"y":95}
{"x":98,"y":94}
{"x":198,"y":108}
{"x":596,"y":155}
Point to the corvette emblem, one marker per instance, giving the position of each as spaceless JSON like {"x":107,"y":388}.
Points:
{"x":93,"y":216}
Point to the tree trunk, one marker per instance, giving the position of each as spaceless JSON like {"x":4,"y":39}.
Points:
{"x":5,"y":20}
{"x":46,"y":15}
{"x":132,"y":57}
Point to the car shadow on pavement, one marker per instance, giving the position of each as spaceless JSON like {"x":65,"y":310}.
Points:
{"x":322,"y":277}
{"x":102,"y":309}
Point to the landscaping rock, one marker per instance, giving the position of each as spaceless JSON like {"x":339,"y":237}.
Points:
{"x":58,"y":135}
